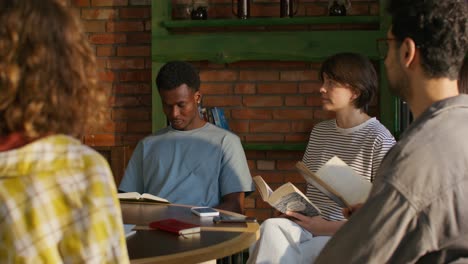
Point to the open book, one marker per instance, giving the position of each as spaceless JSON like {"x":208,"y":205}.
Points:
{"x":146,"y":197}
{"x":286,"y":198}
{"x":338,"y":181}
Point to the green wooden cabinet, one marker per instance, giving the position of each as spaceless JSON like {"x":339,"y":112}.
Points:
{"x":225,"y":47}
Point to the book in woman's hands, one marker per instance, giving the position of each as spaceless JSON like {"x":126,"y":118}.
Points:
{"x":338,"y":181}
{"x":286,"y":198}
{"x":146,"y":197}
{"x":175,"y":226}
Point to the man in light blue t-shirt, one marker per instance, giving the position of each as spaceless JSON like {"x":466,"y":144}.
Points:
{"x":190,"y":161}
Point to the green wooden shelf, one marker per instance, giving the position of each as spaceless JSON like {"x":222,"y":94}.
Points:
{"x":274,"y":21}
{"x":275,"y":146}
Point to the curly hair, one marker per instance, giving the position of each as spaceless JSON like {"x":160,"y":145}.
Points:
{"x":463,"y":77}
{"x":175,"y":73}
{"x":48,"y":80}
{"x":355,"y":71}
{"x":439,"y":29}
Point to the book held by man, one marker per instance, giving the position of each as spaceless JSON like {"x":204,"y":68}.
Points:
{"x":338,"y":181}
{"x":145,"y":197}
{"x":175,"y":226}
{"x":286,"y":198}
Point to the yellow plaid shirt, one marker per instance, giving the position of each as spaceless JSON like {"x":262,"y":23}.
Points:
{"x":58,"y":204}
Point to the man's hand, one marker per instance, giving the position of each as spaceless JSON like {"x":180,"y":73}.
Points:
{"x":347,"y":212}
{"x":315,"y":224}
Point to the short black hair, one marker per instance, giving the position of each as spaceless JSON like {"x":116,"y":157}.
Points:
{"x":438,"y":27}
{"x":353,"y":70}
{"x":175,"y":73}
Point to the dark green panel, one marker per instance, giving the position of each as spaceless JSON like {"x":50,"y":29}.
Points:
{"x":266,"y":146}
{"x":283,"y":46}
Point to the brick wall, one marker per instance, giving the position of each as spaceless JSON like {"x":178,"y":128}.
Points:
{"x":269,"y":102}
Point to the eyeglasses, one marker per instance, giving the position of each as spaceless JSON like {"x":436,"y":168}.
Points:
{"x":382,"y":47}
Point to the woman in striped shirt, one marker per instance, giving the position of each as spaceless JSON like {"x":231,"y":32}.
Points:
{"x":349,"y":85}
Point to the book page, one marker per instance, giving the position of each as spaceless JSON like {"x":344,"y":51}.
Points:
{"x":344,"y":180}
{"x":289,"y":198}
{"x":322,"y":186}
{"x":262,"y":187}
{"x":154,"y":198}
{"x":129,"y":195}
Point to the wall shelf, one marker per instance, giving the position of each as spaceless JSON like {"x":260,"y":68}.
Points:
{"x":273,"y":21}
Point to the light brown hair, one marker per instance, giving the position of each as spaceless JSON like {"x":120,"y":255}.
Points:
{"x":48,"y":81}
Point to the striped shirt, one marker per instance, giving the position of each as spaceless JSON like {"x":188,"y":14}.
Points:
{"x":58,"y":204}
{"x":362,"y":147}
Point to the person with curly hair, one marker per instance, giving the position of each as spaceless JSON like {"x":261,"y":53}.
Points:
{"x":190,"y":161}
{"x":416,"y":211}
{"x":58,"y":200}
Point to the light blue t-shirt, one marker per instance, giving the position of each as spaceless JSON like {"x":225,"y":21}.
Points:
{"x":195,"y":167}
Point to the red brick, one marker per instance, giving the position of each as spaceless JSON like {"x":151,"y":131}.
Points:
{"x":255,"y":154}
{"x":259,"y":75}
{"x":140,"y":88}
{"x":293,"y":155}
{"x":125,"y":26}
{"x":216,"y":88}
{"x":125,"y":101}
{"x":251,"y":114}
{"x":131,"y":114}
{"x":139,"y":38}
{"x":134,"y":51}
{"x":135,"y":76}
{"x":80,"y":3}
{"x":222,"y":101}
{"x":264,"y":138}
{"x":306,"y":75}
{"x":238,"y":126}
{"x":293,"y":114}
{"x":101,"y":140}
{"x":277,"y":88}
{"x":107,"y":38}
{"x":135,"y":12}
{"x":100,"y":13}
{"x":309,"y":87}
{"x":286,"y":164}
{"x":265,"y":164}
{"x":269,"y":127}
{"x":138,"y":63}
{"x":317,"y":11}
{"x":245,"y":88}
{"x":322,"y":114}
{"x":139,"y":127}
{"x":302,"y":126}
{"x":106,"y":76}
{"x":253,"y":101}
{"x":218,"y":75}
{"x":294,"y":100}
{"x":105,"y":51}
{"x":297,"y":137}
{"x":94,"y":26}
{"x":109,"y":2}
{"x":313,"y":101}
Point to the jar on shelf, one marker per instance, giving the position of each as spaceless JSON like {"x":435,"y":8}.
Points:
{"x":198,"y":10}
{"x":338,"y":7}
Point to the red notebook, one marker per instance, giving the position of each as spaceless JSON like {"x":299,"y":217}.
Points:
{"x":175,"y":226}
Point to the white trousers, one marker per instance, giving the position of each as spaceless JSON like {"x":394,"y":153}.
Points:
{"x":283,"y":241}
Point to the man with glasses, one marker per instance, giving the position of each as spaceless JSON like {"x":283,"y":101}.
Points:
{"x":417,"y":209}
